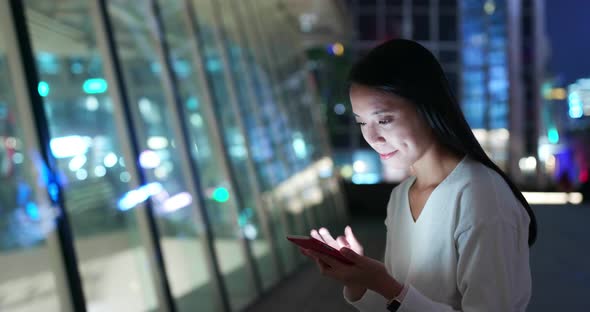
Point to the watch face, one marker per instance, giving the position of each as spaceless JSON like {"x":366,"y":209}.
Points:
{"x":393,"y":306}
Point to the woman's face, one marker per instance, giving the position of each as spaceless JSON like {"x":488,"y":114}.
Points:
{"x":391,"y":125}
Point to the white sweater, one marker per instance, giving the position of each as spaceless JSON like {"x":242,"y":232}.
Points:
{"x":467,"y":251}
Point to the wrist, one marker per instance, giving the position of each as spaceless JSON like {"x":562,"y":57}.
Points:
{"x":355,"y":288}
{"x":354,"y":292}
{"x":388,"y":287}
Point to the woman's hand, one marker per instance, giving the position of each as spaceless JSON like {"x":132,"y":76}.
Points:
{"x":364,"y":273}
{"x":348,"y":240}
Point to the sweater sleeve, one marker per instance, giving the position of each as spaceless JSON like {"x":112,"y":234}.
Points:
{"x":490,"y":273}
{"x":372,"y":301}
{"x":369,"y":302}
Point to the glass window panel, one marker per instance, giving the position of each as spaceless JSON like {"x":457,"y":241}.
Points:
{"x":448,"y":3}
{"x":180,"y":226}
{"x":230,"y":228}
{"x":394,"y":4}
{"x":268,"y":157}
{"x":473,"y":56}
{"x":300,"y":137}
{"x":212,"y":174}
{"x":448,"y":28}
{"x":80,"y":114}
{"x":277,"y":122}
{"x":420,"y":3}
{"x":473,"y":108}
{"x":421,"y":27}
{"x":27,"y":280}
{"x":393,"y":25}
{"x":367,"y":25}
{"x":498,"y":114}
{"x":297,"y":88}
{"x":448,"y":56}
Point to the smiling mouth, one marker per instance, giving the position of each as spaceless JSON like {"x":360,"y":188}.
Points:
{"x":387,"y":156}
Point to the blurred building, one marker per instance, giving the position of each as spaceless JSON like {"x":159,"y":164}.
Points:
{"x":575,"y":159}
{"x":154,"y":154}
{"x":494,"y":54}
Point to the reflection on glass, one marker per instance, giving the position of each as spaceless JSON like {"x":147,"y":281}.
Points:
{"x":179,"y":223}
{"x":233,"y":138}
{"x":113,"y":262}
{"x":27,"y":279}
{"x":269,"y":161}
{"x":272,"y":120}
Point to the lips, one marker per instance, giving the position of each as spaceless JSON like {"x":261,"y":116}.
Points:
{"x":387,"y":156}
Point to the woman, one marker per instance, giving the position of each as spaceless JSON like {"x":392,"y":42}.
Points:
{"x":458,"y":230}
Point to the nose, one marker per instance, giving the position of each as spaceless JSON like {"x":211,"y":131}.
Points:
{"x":373,"y":136}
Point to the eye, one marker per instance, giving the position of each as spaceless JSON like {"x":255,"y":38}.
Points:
{"x":361,"y":123}
{"x":385,"y":121}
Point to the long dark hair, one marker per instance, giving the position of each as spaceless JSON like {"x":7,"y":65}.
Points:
{"x":407,"y":69}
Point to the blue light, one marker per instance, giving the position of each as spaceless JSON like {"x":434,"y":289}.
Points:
{"x":553,"y":136}
{"x":365,"y":178}
{"x":182,"y":68}
{"x":32,"y":211}
{"x":220,"y":194}
{"x":77,"y":68}
{"x":245,"y":216}
{"x":53,"y":191}
{"x":213,"y":65}
{"x":192,"y":103}
{"x":95,"y":86}
{"x":575,"y":105}
{"x":43,"y":88}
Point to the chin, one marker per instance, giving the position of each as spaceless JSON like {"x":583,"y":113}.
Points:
{"x":396,"y":163}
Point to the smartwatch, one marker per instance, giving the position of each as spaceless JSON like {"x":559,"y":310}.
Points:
{"x":393,"y":304}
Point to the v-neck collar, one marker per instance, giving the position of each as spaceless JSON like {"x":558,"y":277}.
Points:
{"x":421,"y":215}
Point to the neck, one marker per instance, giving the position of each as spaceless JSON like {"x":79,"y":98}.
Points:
{"x":434,"y":166}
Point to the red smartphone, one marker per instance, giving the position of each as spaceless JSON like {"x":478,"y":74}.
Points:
{"x":319,"y":246}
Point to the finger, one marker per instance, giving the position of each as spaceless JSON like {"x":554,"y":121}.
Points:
{"x":328,"y":239}
{"x":351,"y":239}
{"x":342,"y":242}
{"x":316,"y":235}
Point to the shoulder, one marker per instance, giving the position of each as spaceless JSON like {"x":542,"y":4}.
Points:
{"x":485,"y":198}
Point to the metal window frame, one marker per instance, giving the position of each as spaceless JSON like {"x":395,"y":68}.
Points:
{"x":298,"y":56}
{"x":229,"y":78}
{"x":254,"y":98}
{"x":217,"y":129}
{"x":126,"y":121}
{"x":337,"y":201}
{"x":278,"y":77}
{"x":35,"y":129}
{"x":253,"y":35}
{"x":181,"y":130}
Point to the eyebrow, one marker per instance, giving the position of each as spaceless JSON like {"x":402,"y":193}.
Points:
{"x":383,"y":111}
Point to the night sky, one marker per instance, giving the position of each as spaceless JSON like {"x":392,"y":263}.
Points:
{"x":568,"y":29}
